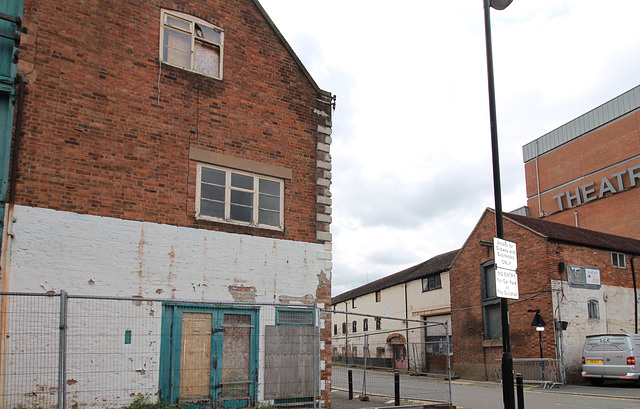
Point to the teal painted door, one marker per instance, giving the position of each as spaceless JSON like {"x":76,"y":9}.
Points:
{"x":209,"y":357}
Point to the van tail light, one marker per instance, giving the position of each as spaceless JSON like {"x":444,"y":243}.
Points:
{"x":583,"y":362}
{"x":631,"y":360}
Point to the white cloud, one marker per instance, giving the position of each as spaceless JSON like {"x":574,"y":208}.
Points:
{"x":411,"y":146}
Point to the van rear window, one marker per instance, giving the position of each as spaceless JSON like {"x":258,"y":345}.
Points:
{"x":606,"y":343}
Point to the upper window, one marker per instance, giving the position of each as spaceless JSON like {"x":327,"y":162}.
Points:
{"x":353,"y":303}
{"x":618,"y":260}
{"x":191,"y":43}
{"x":239,"y":197}
{"x":431,"y":282}
{"x":354,"y":325}
{"x":378,"y":296}
{"x":365,"y":324}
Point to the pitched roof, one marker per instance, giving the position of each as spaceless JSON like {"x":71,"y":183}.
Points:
{"x":437,"y":264}
{"x":326,"y":94}
{"x":576,"y":235}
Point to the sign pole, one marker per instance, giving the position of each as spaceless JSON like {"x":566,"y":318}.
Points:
{"x":508,"y":394}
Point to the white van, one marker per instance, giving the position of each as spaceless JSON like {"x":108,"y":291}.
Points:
{"x":611,"y":356}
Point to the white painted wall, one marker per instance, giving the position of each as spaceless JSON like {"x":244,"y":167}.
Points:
{"x":570,"y":304}
{"x":91,"y":255}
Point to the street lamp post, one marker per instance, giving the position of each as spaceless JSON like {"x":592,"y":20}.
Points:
{"x":539,"y":323}
{"x":508,"y":395}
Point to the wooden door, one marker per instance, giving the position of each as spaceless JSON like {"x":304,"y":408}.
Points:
{"x":195,"y":358}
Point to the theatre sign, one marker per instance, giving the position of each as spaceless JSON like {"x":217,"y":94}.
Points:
{"x":592,"y":191}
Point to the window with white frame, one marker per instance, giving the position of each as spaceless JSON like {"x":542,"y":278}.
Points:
{"x":592,"y":309}
{"x":191,"y":43}
{"x":239,"y":197}
{"x":618,"y":260}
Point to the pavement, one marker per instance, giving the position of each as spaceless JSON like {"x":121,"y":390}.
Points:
{"x":624,"y":390}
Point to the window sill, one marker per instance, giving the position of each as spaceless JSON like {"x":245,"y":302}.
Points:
{"x":492,"y":343}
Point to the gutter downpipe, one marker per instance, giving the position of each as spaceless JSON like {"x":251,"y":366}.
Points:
{"x":538,"y":181}
{"x":635,"y":293}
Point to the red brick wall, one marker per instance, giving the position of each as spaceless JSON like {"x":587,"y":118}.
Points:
{"x":107,"y":131}
{"x":538,"y":264}
{"x":600,"y":153}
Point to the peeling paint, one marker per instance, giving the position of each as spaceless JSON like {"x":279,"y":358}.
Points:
{"x":242,"y":293}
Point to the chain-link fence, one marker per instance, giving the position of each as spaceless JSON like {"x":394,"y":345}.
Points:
{"x":374,"y":348}
{"x":59,"y":350}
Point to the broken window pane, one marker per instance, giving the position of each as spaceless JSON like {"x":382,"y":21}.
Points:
{"x":206,"y":59}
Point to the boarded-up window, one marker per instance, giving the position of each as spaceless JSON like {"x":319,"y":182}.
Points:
{"x":289,"y":362}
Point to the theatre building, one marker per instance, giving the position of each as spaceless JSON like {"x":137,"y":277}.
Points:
{"x":586,"y":173}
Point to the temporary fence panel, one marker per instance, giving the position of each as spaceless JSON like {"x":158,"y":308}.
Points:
{"x":71,"y":351}
{"x":374,"y":347}
{"x":543,"y":371}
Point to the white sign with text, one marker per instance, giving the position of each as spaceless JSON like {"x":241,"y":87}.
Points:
{"x":505,"y":254}
{"x":507,"y":284}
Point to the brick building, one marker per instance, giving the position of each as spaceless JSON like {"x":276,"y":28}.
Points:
{"x":173,"y":149}
{"x":582,"y":277}
{"x":586,"y":173}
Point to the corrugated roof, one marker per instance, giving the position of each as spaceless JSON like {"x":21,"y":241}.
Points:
{"x":436,"y":264}
{"x":576,"y":235}
{"x":607,"y":112}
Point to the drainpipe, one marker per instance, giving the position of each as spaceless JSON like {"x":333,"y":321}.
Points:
{"x":406,"y":324}
{"x":635,"y":293}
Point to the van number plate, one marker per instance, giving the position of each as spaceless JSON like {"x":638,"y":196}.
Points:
{"x":594,"y":361}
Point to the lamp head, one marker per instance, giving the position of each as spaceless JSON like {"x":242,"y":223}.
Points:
{"x":500,"y":4}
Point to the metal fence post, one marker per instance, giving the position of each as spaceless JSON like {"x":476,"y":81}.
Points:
{"x":62,"y":353}
{"x":448,"y":346}
{"x":350,"y":382}
{"x":364,"y":375}
{"x":316,"y":361}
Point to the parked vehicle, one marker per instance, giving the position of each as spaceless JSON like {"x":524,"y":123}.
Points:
{"x":611,"y":356}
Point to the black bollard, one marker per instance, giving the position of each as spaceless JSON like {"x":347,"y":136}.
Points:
{"x":396,"y":381}
{"x":520,"y":390}
{"x":350,"y":378}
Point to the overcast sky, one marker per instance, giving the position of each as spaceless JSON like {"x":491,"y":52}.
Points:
{"x":411,"y":147}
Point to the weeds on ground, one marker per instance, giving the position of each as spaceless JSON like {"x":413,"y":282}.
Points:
{"x":29,"y":407}
{"x":144,"y":402}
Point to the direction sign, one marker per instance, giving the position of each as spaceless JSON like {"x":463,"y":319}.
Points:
{"x":507,"y":284}
{"x":505,"y":254}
